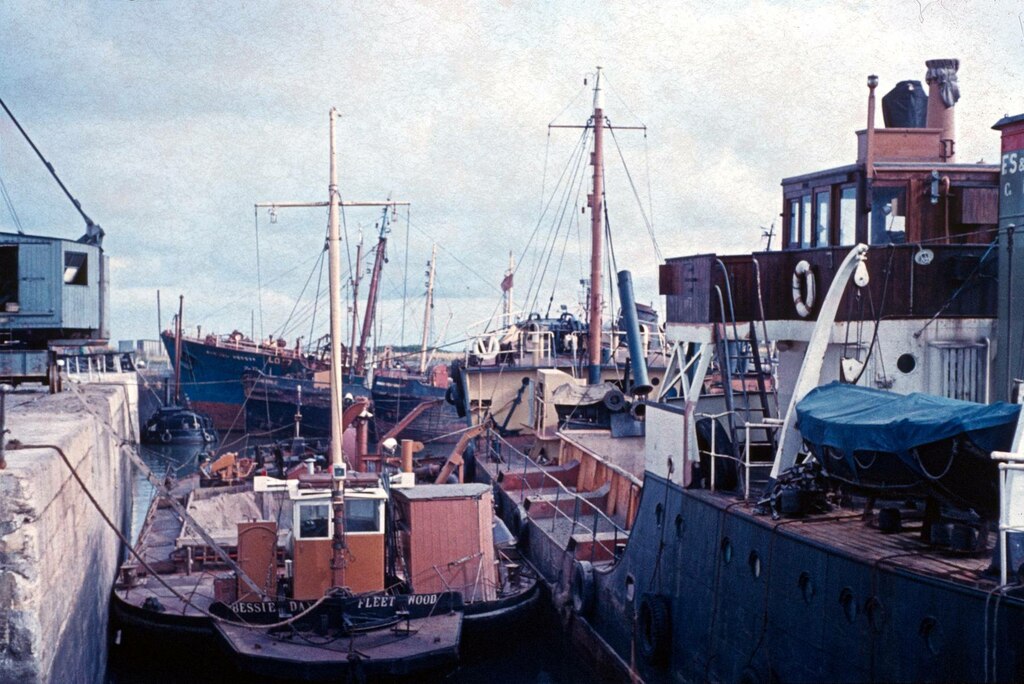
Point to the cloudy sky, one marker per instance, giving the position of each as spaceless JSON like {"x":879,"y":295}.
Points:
{"x":170,"y":120}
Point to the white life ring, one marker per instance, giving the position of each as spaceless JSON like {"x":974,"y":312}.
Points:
{"x":487,"y":346}
{"x":803,"y":279}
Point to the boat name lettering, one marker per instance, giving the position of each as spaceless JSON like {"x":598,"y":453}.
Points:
{"x":423,"y":599}
{"x":251,"y":607}
{"x":299,"y":606}
{"x":376,"y":602}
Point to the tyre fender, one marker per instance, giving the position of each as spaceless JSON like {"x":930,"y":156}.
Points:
{"x":583,"y":590}
{"x":654,"y":628}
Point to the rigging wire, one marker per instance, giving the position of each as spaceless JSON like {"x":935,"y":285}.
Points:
{"x":639,"y":202}
{"x":10,"y":206}
{"x":405,"y":279}
{"x":575,"y":177}
{"x":548,"y":251}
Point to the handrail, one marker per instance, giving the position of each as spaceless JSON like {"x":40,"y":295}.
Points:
{"x":560,"y":487}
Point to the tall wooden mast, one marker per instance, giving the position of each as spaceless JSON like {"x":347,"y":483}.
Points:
{"x":356,"y":277}
{"x":596,"y":203}
{"x":337,"y":458}
{"x":371,"y":296}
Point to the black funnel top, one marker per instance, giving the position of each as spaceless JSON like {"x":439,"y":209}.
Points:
{"x":905,"y":106}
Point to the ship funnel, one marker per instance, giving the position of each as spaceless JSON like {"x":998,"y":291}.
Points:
{"x":943,"y":93}
{"x":642,"y":383}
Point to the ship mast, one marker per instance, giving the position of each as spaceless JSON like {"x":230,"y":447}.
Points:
{"x":356,"y":277}
{"x":427,"y":308}
{"x":337,"y":458}
{"x":506,"y":286}
{"x":596,"y":203}
{"x":371,"y":296}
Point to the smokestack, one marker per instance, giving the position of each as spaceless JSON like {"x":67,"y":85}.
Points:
{"x":943,"y":93}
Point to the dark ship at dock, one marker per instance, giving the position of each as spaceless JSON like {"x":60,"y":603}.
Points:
{"x":755,"y":533}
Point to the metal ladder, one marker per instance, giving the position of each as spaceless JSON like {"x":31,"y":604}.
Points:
{"x":738,"y":356}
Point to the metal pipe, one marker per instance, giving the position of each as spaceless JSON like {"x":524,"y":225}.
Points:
{"x":4,"y":389}
{"x":641,"y":381}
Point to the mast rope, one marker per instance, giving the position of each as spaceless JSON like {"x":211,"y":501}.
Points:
{"x":632,"y":185}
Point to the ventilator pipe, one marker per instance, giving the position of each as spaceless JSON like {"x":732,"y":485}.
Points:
{"x":407,"y":450}
{"x":642,"y":383}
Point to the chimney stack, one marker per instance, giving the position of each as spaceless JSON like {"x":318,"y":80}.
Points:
{"x":943,"y":93}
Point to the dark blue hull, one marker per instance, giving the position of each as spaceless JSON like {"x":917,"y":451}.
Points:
{"x":273,"y":401}
{"x":395,"y":396}
{"x":747,"y":598}
{"x":211,"y":375}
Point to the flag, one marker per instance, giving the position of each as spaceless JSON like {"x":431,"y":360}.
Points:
{"x":506,"y":283}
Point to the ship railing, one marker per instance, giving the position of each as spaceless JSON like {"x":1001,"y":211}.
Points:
{"x":1011,"y":504}
{"x":583,"y":511}
{"x":769,"y":425}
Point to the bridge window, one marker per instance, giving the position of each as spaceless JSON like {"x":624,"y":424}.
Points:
{"x":822,"y":206}
{"x":362,"y":515}
{"x":794,"y":223}
{"x":805,"y":221}
{"x":76,"y":268}
{"x":848,"y":216}
{"x":314,"y":521}
{"x":889,"y":216}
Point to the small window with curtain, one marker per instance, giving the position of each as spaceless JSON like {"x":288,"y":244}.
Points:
{"x":823,"y":223}
{"x":848,"y":216}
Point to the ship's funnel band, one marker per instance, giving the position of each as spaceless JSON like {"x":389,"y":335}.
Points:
{"x":943,"y":73}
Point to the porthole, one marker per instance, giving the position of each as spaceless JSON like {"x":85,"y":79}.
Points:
{"x":931,"y":633}
{"x":726,"y":551}
{"x":680,"y":526}
{"x":806,"y":585}
{"x":877,"y":614}
{"x":659,"y":514}
{"x":630,"y":587}
{"x":906,"y":363}
{"x":754,"y":561}
{"x":655,"y":381}
{"x":848,"y":604}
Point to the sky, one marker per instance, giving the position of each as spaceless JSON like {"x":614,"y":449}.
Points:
{"x":169,"y":121}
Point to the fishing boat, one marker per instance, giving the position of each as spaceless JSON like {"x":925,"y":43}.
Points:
{"x":855,"y":540}
{"x":308,"y":597}
{"x":509,"y":372}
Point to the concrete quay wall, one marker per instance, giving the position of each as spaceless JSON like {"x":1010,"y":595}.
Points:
{"x":58,"y":558}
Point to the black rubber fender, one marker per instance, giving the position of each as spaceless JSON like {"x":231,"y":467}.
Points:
{"x":583,"y":589}
{"x":654,"y":628}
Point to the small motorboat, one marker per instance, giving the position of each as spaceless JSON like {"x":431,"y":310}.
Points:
{"x":178,"y":425}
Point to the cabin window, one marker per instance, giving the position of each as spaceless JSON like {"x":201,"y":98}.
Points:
{"x":8,"y":277}
{"x":889,"y":216}
{"x":822,"y":212}
{"x":314,"y":521}
{"x":805,"y":221}
{"x":362,"y":515}
{"x":76,"y":268}
{"x":794,"y":223}
{"x":848,"y":216}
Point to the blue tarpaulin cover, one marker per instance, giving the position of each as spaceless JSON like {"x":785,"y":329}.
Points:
{"x":854,"y":418}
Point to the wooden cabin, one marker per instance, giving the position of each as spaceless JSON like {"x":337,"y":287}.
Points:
{"x":447,"y":537}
